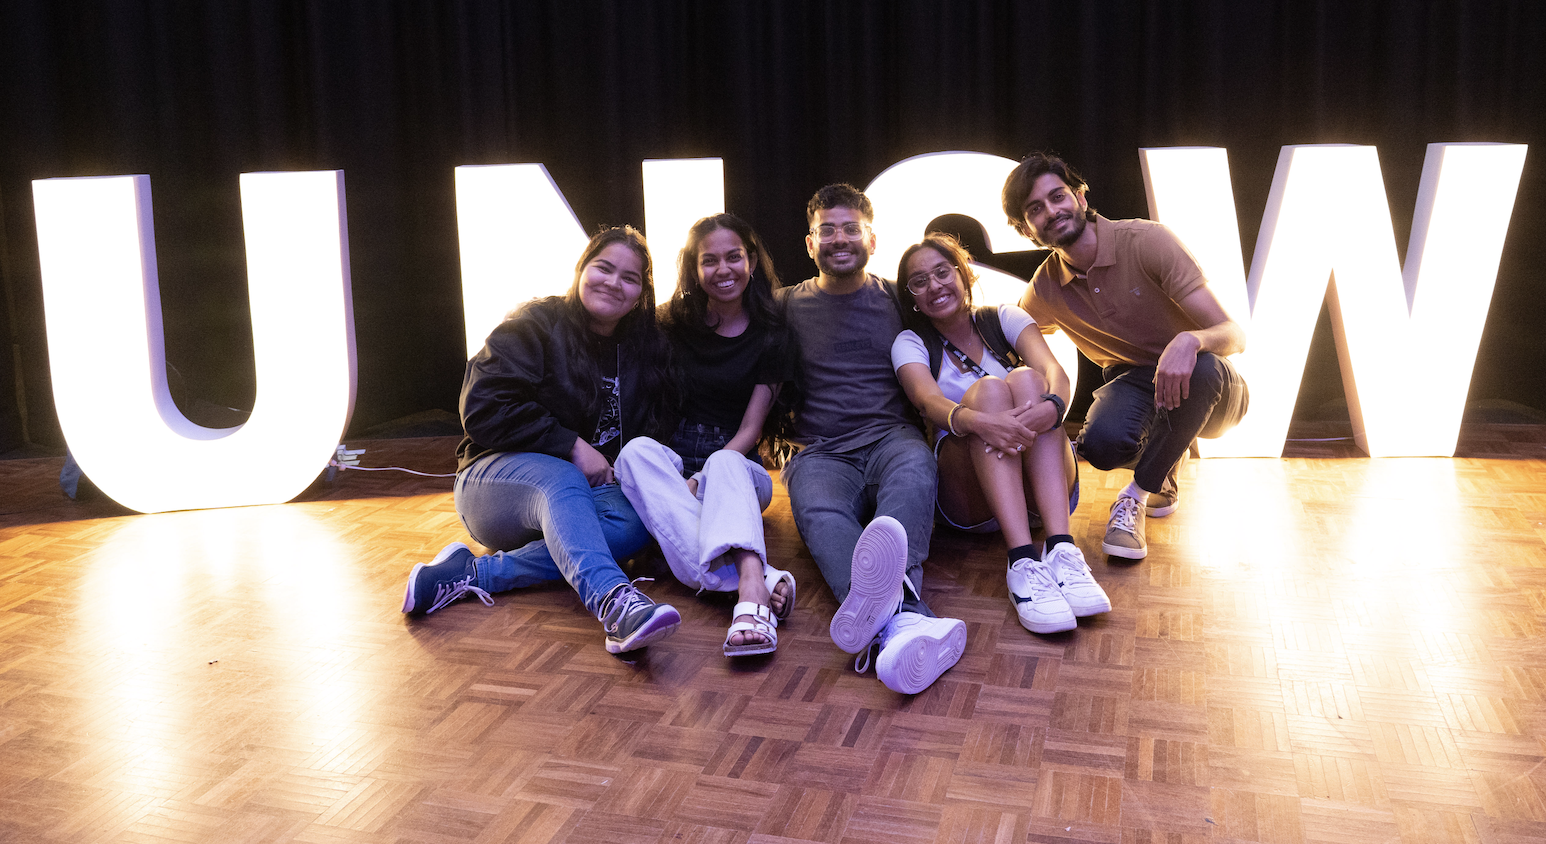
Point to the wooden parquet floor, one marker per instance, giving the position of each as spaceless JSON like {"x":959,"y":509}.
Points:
{"x":1322,"y":648}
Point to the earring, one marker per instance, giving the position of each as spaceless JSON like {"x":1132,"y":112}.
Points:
{"x":915,"y":309}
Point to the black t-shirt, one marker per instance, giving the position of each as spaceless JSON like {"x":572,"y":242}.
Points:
{"x":719,"y":373}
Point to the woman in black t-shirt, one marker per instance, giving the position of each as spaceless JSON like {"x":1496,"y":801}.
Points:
{"x":730,"y":347}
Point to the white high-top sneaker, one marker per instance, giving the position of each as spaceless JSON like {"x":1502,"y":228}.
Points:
{"x":875,"y":585}
{"x":915,"y":650}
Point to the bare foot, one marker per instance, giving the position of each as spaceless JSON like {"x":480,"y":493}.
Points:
{"x":756,"y":592}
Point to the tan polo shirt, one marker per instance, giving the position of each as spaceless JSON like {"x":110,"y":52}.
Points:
{"x":1124,"y":309}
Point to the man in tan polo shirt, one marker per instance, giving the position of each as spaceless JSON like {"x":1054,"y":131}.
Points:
{"x":1134,"y":301}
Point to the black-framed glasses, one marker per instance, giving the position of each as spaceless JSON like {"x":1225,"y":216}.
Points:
{"x":919,"y":282}
{"x":827,"y":232}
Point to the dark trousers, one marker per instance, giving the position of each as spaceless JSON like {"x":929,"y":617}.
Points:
{"x":1123,"y":428}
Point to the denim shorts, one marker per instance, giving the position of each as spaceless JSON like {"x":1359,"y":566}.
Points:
{"x":991,"y":525}
{"x":695,"y":441}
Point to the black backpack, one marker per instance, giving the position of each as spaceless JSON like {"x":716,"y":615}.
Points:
{"x":985,"y":317}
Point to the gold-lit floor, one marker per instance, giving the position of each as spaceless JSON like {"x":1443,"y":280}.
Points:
{"x":1319,"y":648}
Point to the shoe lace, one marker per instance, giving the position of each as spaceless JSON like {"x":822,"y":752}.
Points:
{"x":1065,"y":566}
{"x":453,"y":591}
{"x":898,"y":622}
{"x":1124,"y":516}
{"x":862,"y":661}
{"x":622,"y":602}
{"x":1039,"y":578}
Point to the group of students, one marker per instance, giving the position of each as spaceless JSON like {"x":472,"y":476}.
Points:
{"x":595,"y":422}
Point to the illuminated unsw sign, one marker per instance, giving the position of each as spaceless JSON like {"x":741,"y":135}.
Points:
{"x":1407,"y":338}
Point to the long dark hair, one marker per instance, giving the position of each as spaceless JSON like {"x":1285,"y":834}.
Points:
{"x":688,"y":309}
{"x":685,"y":315}
{"x":951,"y":250}
{"x":639,"y":338}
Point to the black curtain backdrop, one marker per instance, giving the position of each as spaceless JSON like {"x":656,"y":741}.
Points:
{"x":792,"y":95}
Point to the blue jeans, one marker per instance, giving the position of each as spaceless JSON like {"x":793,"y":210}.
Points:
{"x":548,"y":523}
{"x":833,"y":495}
{"x":1124,"y":429}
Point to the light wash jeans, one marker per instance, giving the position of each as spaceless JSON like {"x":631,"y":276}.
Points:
{"x":548,"y":523}
{"x":833,"y":495}
{"x":695,"y":534}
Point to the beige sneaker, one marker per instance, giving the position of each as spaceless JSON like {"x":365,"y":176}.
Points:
{"x":1124,"y":530}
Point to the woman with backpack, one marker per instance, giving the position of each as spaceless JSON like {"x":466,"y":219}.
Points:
{"x":993,"y":392}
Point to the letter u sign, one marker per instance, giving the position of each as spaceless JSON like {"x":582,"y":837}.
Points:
{"x":107,"y":355}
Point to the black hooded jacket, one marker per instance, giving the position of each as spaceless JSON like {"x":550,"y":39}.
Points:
{"x":521,"y":392}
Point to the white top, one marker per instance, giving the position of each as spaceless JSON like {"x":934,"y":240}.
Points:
{"x":908,"y":348}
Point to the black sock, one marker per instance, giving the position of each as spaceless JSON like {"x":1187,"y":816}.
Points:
{"x":1024,"y":552}
{"x":1055,"y":539}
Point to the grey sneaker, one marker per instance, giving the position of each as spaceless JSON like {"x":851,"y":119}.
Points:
{"x":632,"y":620}
{"x":1124,"y":530}
{"x":1077,"y":582}
{"x":450,"y":577}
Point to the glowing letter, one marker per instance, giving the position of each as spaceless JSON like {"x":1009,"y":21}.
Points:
{"x":519,"y":241}
{"x":103,"y":314}
{"x":1407,"y":339}
{"x":677,"y":192}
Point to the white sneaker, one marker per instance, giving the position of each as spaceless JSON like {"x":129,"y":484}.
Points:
{"x":1038,"y":601}
{"x":1084,"y":595}
{"x":915,"y":650}
{"x":875,"y":585}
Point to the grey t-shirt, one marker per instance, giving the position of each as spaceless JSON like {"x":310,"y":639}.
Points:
{"x":852,"y":397}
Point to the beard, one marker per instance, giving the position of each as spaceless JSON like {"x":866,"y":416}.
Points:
{"x":858,"y":259}
{"x":1069,"y":237}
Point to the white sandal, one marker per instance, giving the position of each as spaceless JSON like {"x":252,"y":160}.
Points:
{"x":773,"y":577}
{"x":764,"y":623}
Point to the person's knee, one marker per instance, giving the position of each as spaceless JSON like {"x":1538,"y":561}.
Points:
{"x":988,"y":393}
{"x":1208,"y":377}
{"x":1026,"y":384}
{"x":1106,"y":446}
{"x":644,"y":451}
{"x":724,"y":461}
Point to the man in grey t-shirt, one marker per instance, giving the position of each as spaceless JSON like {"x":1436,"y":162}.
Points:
{"x":864,"y":458}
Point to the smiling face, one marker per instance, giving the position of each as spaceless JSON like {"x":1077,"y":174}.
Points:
{"x":724,"y":268}
{"x":943,"y":295}
{"x":610,"y":285}
{"x":846,"y":254}
{"x":1054,"y":213}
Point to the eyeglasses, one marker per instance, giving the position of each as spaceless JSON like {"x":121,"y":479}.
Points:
{"x":919,"y":282}
{"x":827,"y":232}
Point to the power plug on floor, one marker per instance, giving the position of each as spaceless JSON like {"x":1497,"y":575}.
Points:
{"x":344,"y":457}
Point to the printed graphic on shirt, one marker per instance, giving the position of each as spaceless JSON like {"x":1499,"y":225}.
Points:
{"x":609,"y":425}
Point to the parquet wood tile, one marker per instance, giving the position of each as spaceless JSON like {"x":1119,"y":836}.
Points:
{"x":1283,"y":667}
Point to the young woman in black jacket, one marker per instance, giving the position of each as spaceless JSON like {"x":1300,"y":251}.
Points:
{"x":555,"y":392}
